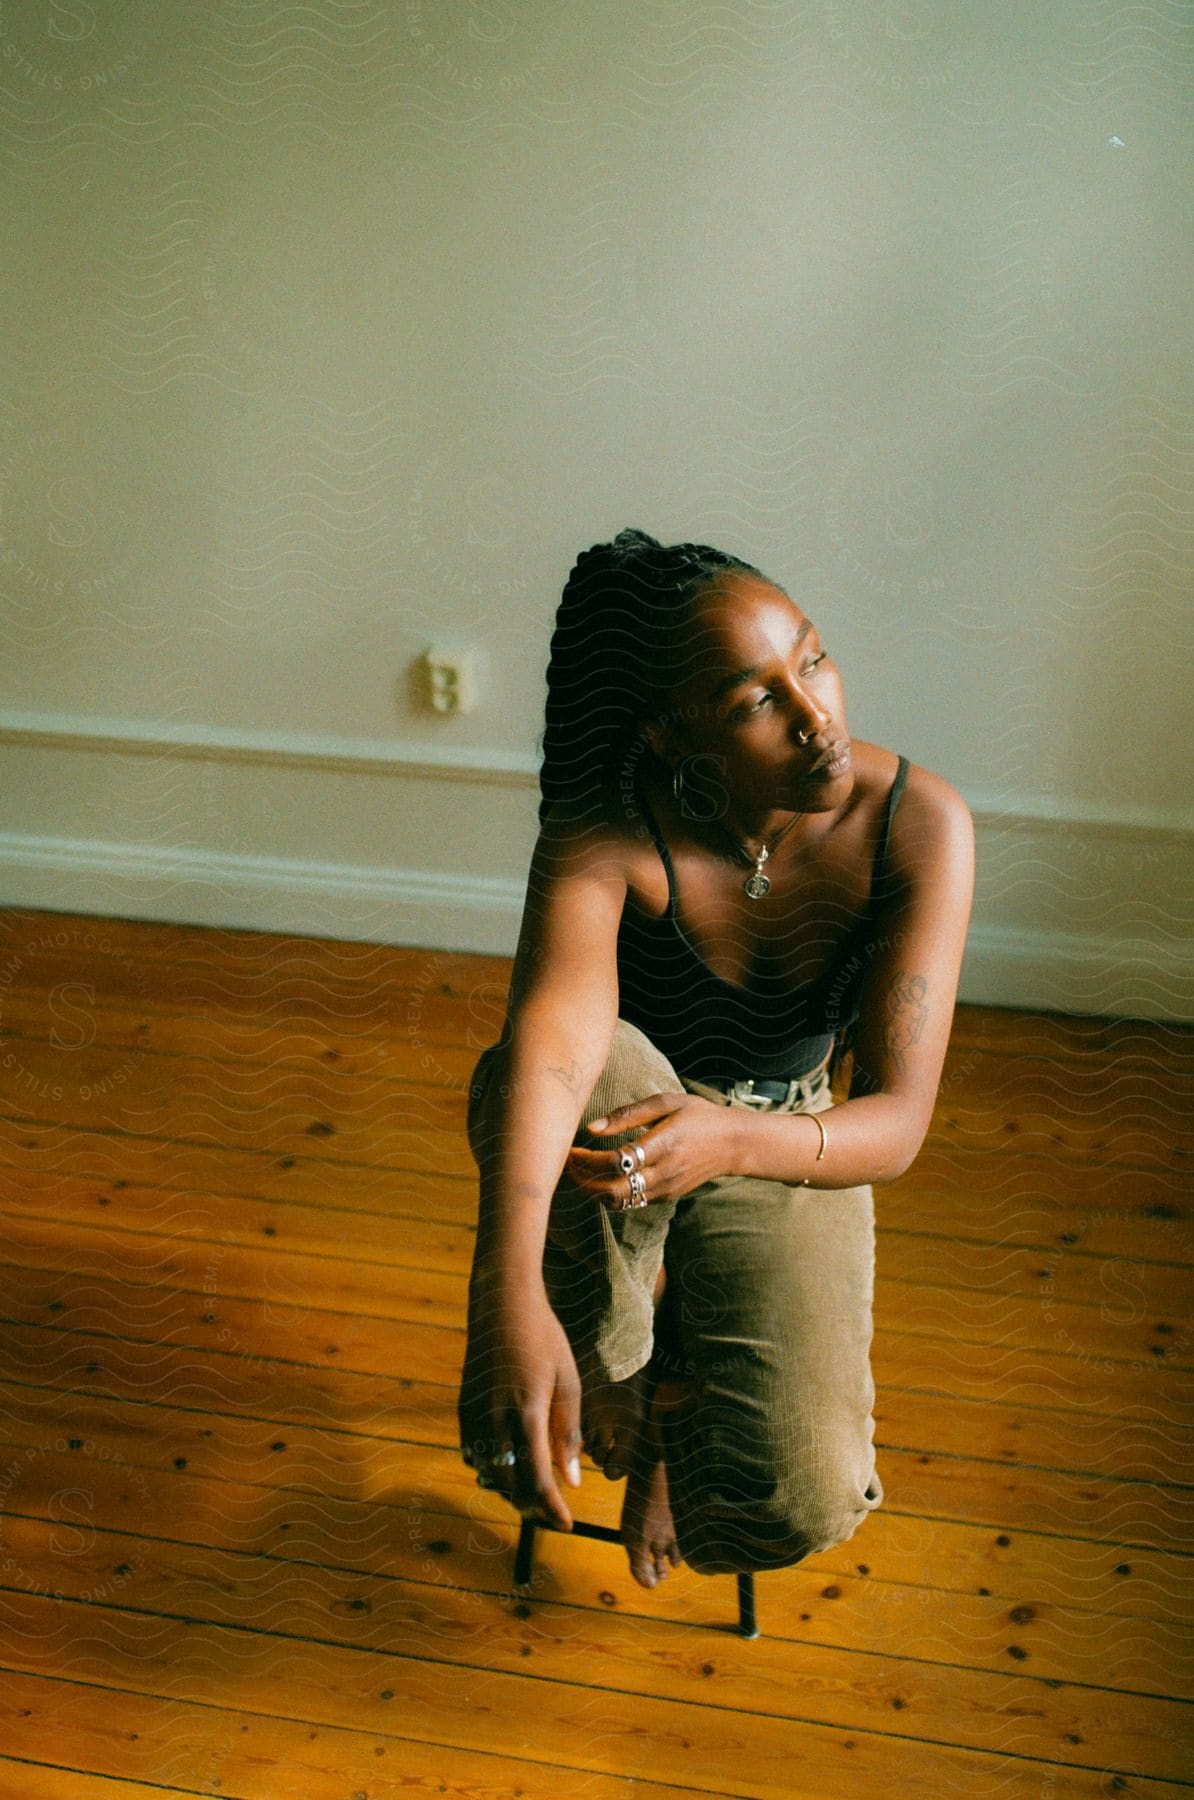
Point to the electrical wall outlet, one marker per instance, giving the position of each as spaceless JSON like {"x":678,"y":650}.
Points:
{"x":451,"y":671}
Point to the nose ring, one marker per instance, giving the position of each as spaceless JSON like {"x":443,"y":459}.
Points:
{"x":804,"y":736}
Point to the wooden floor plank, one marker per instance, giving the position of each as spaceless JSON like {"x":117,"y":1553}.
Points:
{"x":41,"y":1780}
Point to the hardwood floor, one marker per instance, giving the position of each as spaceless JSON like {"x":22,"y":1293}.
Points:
{"x":240,"y":1553}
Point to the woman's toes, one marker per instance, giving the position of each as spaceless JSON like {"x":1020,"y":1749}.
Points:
{"x":617,"y":1464}
{"x":611,"y":1419}
{"x":607,"y":1455}
{"x":650,"y":1564}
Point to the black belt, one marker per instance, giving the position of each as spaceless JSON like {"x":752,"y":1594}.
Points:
{"x":767,"y":1090}
{"x":759,"y":1091}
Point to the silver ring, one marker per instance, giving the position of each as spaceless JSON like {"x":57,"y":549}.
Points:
{"x":627,"y":1160}
{"x":501,"y":1459}
{"x":638,"y":1189}
{"x":641,"y":1154}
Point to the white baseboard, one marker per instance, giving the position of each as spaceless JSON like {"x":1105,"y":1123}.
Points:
{"x":425,"y":909}
{"x":1039,"y":857}
{"x":1052,"y":971}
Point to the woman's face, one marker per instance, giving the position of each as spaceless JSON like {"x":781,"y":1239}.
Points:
{"x":753,"y":676}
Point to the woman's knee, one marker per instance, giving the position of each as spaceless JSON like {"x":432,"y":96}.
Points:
{"x":634,"y":1070}
{"x":723,"y":1538}
{"x":757,"y":1499}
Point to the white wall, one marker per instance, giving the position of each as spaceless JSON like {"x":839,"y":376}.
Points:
{"x":337,"y":327}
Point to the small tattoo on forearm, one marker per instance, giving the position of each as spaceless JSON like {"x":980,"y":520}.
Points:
{"x":569,"y":1077}
{"x":906,"y":1015}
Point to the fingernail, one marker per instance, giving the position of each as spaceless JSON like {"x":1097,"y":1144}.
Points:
{"x":574,"y":1471}
{"x":598,"y":1124}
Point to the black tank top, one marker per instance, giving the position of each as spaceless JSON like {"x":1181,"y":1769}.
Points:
{"x":715,"y":1030}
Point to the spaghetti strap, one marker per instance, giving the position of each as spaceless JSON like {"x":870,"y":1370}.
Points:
{"x":663,"y":852}
{"x":879,"y":874}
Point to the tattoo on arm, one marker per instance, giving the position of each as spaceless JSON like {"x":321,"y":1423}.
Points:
{"x":570,"y":1077}
{"x":906,"y":1015}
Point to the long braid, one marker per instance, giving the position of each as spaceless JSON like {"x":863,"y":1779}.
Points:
{"x":615,"y":655}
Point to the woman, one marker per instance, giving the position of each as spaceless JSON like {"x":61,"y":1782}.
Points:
{"x":675,"y":1247}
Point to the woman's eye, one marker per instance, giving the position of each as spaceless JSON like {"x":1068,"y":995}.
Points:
{"x":748,"y":709}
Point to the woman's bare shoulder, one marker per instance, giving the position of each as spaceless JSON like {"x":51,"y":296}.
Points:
{"x":588,"y":841}
{"x":932,"y":821}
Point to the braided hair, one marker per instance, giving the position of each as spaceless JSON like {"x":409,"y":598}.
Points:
{"x":616,"y":655}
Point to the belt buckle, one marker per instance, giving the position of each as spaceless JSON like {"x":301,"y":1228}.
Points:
{"x":745,"y":1091}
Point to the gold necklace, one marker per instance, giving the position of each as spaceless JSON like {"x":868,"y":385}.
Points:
{"x":757,"y":885}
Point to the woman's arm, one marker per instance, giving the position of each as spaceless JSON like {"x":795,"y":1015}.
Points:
{"x":905,"y":1012}
{"x":561,"y":1016}
{"x":520,"y":1389}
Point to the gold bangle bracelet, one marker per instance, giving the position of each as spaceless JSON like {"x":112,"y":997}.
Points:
{"x":816,"y":1119}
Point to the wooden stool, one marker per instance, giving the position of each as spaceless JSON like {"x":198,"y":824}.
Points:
{"x":524,"y":1559}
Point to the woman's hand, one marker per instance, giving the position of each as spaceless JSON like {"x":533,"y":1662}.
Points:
{"x":692,"y":1141}
{"x":519,"y":1406}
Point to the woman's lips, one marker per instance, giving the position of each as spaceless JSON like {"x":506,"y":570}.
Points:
{"x":829,"y":771}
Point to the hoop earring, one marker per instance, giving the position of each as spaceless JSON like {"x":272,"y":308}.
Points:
{"x":678,"y":781}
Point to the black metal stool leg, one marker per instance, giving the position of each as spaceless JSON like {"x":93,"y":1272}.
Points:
{"x":524,"y":1561}
{"x":524,"y":1556}
{"x":747,"y":1623}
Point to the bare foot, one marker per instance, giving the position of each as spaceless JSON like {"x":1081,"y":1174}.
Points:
{"x":611,"y":1414}
{"x":647,"y":1529}
{"x":611,"y":1419}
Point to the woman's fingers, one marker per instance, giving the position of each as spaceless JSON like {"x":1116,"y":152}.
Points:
{"x":599,"y":1172}
{"x":641,"y":1112}
{"x":494,"y":1461}
{"x":536,"y":1491}
{"x":565,"y":1432}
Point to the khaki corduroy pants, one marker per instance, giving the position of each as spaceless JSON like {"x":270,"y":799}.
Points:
{"x":767,"y":1314}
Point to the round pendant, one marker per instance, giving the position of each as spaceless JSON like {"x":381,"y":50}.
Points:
{"x":758,"y":885}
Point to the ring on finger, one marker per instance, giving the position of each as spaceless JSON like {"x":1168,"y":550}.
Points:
{"x":492,"y":1459}
{"x":638,"y":1189}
